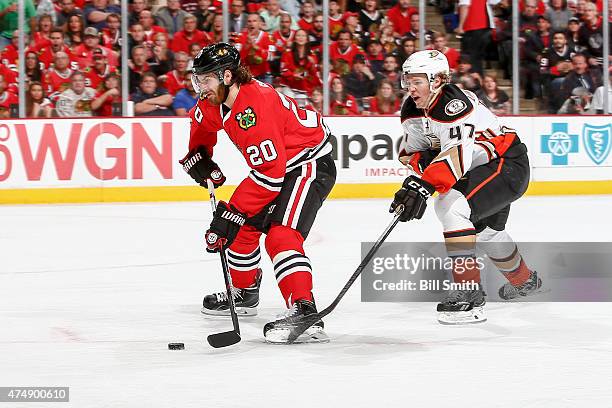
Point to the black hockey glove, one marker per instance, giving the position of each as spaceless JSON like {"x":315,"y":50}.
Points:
{"x":413,"y":195}
{"x":224,"y":227}
{"x":198,"y":164}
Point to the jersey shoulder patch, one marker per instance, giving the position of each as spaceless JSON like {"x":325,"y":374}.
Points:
{"x":410,"y":111}
{"x":450,"y":105}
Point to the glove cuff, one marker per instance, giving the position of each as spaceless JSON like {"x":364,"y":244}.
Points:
{"x":427,"y":186}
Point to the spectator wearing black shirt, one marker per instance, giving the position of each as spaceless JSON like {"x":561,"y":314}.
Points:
{"x":137,"y":7}
{"x":149,"y":100}
{"x":67,"y":9}
{"x":580,"y":77}
{"x":360,"y":82}
{"x":535,"y":44}
{"x":590,"y":35}
{"x":370,"y":17}
{"x":205,"y":14}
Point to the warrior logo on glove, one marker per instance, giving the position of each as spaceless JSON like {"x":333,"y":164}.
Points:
{"x":211,"y":238}
{"x":201,"y":167}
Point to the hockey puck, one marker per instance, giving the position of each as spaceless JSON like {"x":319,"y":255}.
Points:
{"x":176,"y":346}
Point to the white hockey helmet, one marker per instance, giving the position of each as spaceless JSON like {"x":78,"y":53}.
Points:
{"x":428,"y":62}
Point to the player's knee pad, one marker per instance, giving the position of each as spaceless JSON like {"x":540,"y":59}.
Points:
{"x":453,"y":211}
{"x":498,"y":245}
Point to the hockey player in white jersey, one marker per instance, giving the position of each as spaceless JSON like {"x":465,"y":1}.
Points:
{"x":456,"y":146}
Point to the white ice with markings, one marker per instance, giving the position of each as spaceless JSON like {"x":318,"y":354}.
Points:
{"x":90,"y":295}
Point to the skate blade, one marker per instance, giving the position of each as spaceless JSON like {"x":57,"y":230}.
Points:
{"x":473,"y":316}
{"x":240,"y":311}
{"x":311,"y":335}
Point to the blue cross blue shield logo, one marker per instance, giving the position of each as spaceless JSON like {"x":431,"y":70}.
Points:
{"x":597,"y":141}
{"x":559,"y":144}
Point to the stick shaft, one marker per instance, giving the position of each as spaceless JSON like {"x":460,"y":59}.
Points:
{"x":226,"y":275}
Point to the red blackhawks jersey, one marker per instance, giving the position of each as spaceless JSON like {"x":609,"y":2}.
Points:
{"x":467,"y":134}
{"x":56,"y":82}
{"x":271,"y":132}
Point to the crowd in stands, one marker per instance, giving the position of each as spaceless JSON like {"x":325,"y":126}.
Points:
{"x":73,"y":52}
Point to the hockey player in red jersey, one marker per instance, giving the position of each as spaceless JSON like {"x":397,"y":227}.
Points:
{"x":292,"y":172}
{"x":456,"y":146}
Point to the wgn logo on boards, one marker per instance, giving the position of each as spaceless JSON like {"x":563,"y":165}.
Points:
{"x":559,"y":144}
{"x":597,"y":142}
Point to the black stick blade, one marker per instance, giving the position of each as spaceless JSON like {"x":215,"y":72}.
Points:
{"x":300,"y":325}
{"x":224,"y":339}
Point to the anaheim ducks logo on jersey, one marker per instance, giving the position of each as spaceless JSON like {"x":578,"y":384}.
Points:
{"x":455,"y":107}
{"x":246,"y":119}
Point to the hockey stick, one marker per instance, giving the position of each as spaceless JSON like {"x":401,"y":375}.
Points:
{"x":297,"y":326}
{"x":227,"y":338}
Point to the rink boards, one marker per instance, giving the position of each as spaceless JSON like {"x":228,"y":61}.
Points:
{"x":136,"y":159}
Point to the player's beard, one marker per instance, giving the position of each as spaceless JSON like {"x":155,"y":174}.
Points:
{"x":220,"y":95}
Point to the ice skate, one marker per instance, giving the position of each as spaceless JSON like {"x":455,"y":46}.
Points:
{"x":531,"y":286}
{"x":462,"y":307}
{"x":246,"y":301}
{"x":277,"y":332}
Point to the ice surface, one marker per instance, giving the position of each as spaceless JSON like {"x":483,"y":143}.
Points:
{"x":90,"y":295}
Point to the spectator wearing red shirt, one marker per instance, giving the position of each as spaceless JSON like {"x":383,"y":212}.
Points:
{"x":375,"y":55}
{"x":315,"y":102}
{"x":400,"y":15}
{"x":308,"y":13}
{"x":47,"y":55}
{"x":57,"y":79}
{"x":111,"y":35}
{"x":351,"y":24}
{"x":216,"y":33}
{"x":341,"y":102}
{"x":344,"y":48}
{"x":475,"y":24}
{"x":175,"y":78}
{"x":147,"y":23}
{"x":299,"y":66}
{"x":10,"y":53}
{"x":94,"y":76}
{"x":283,"y":37}
{"x":452,"y":55}
{"x":83,"y":54}
{"x":6,"y":99}
{"x":10,"y":78}
{"x":109,"y":94}
{"x":189,"y":35}
{"x":336,"y":20}
{"x":41,"y":37}
{"x":385,"y":102}
{"x":255,"y":46}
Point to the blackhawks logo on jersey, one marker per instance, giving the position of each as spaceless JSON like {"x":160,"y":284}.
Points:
{"x":246,"y":119}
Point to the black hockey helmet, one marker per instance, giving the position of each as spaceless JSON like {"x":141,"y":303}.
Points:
{"x":216,"y":58}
